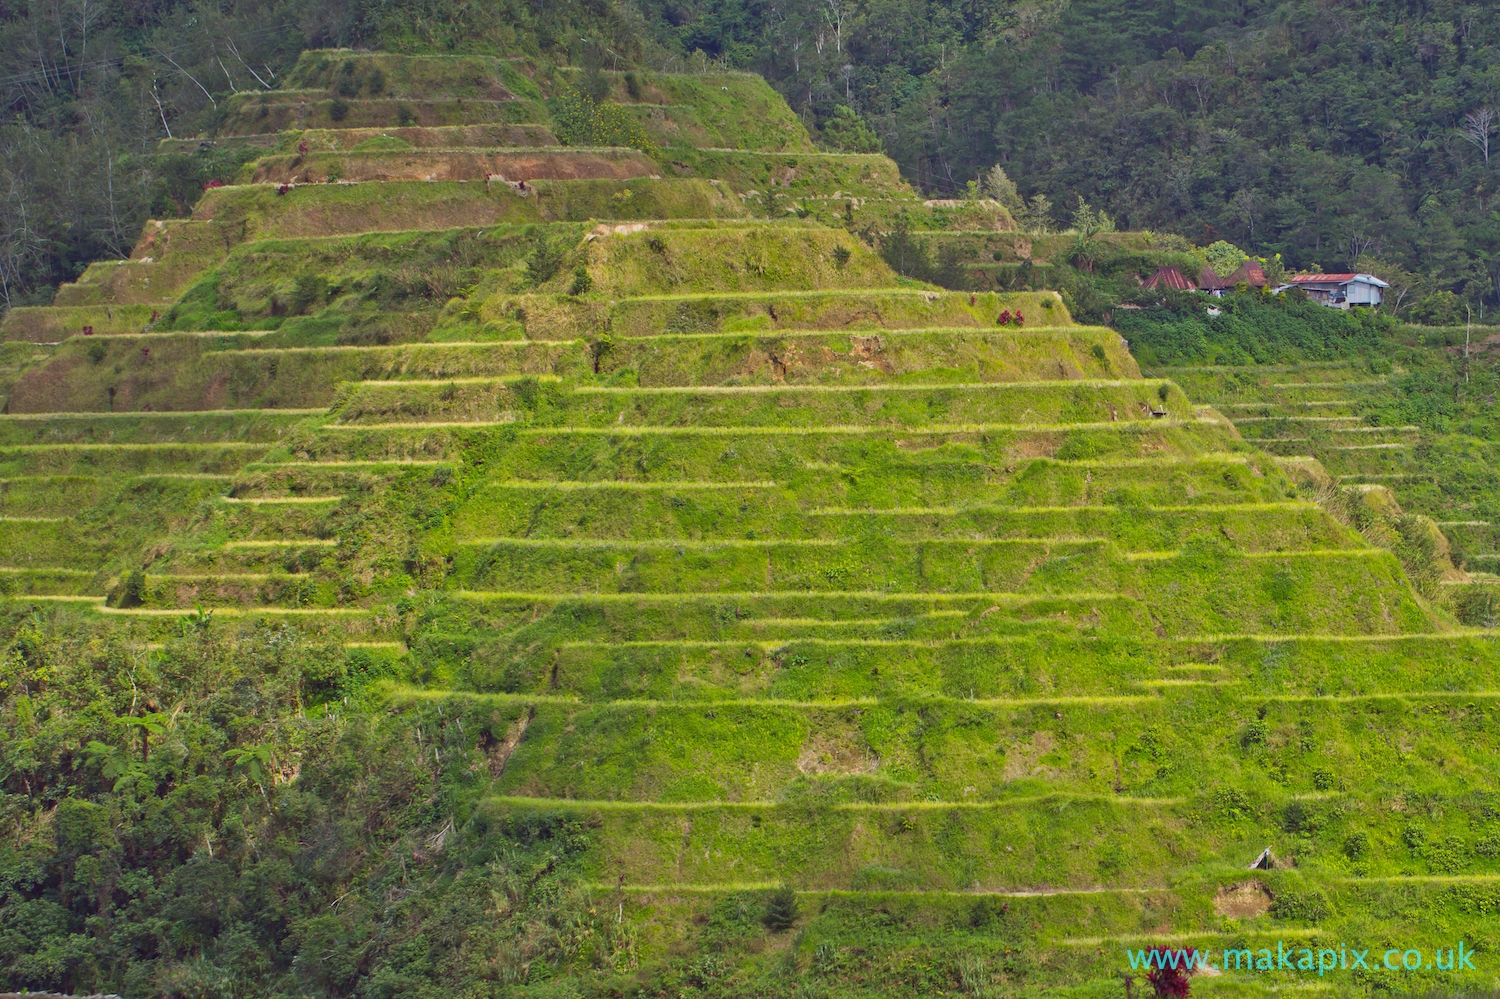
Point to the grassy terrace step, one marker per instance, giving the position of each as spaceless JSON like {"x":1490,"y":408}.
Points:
{"x":1281,"y":593}
{"x":351,"y":74}
{"x":794,"y":357}
{"x":269,"y":113}
{"x":198,"y":371}
{"x":1345,"y":461}
{"x":555,"y":163}
{"x":897,"y":407}
{"x":26,"y":580}
{"x":395,"y":285}
{"x":557,"y":317}
{"x":292,"y":556}
{"x":1039,"y":844}
{"x":981,"y":652}
{"x":726,"y":258}
{"x":55,"y":543}
{"x":126,"y":459}
{"x":167,"y":257}
{"x":53,"y":324}
{"x":185,"y":588}
{"x":48,"y":496}
{"x":973,"y":217}
{"x":713,"y":515}
{"x":1053,"y":842}
{"x":415,"y":137}
{"x":792,"y":175}
{"x":256,"y":426}
{"x":1204,"y":589}
{"x":736,"y":110}
{"x":714,"y":452}
{"x":399,"y":281}
{"x":1168,"y":746}
{"x":342,"y":209}
{"x":831,"y":470}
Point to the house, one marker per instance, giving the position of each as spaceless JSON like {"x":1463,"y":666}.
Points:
{"x":1169,"y":277}
{"x":1341,"y":290}
{"x":1249,"y":273}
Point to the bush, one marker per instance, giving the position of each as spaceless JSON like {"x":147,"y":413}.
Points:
{"x":1306,"y":906}
{"x":579,"y":121}
{"x":1441,"y":308}
{"x":132,"y":591}
{"x":1251,"y":328}
{"x":781,"y":909}
{"x":1476,"y":606}
{"x":545,"y":260}
{"x":581,"y":281}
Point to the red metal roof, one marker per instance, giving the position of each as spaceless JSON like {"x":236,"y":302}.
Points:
{"x":1169,"y":277}
{"x":1249,"y":272}
{"x":1323,"y":278}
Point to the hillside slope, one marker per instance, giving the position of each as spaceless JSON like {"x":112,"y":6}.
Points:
{"x":497,"y":570}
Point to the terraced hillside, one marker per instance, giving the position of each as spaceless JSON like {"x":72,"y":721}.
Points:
{"x":705,"y":555}
{"x":1337,"y":414}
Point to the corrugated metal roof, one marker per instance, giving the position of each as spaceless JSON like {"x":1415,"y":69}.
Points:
{"x":1170,"y":277}
{"x":1338,"y":279}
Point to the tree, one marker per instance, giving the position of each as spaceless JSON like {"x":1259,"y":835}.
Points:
{"x":1477,"y":127}
{"x":1088,"y":222}
{"x":781,"y":909}
{"x":903,"y":252}
{"x":998,"y":185}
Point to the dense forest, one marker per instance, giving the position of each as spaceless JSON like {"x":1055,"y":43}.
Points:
{"x":1331,"y":133}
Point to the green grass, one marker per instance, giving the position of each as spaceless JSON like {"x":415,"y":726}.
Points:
{"x":554,"y":163}
{"x":602,"y":555}
{"x":50,"y":324}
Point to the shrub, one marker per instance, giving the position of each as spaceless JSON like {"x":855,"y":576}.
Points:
{"x":781,"y":909}
{"x":579,"y":121}
{"x":308,"y":291}
{"x":1476,"y":606}
{"x":581,"y":281}
{"x":1307,"y":906}
{"x":1168,"y":981}
{"x":132,"y":591}
{"x":338,"y":110}
{"x":545,"y":260}
{"x":1441,"y":308}
{"x":1356,"y":845}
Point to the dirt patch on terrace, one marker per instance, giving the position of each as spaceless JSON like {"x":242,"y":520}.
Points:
{"x":836,"y":753}
{"x":1245,"y":900}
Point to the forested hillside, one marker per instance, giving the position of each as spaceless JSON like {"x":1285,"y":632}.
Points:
{"x":1324,"y":131}
{"x":1327,"y":132}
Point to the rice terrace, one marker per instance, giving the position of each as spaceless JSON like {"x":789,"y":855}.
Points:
{"x":527,"y":525}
